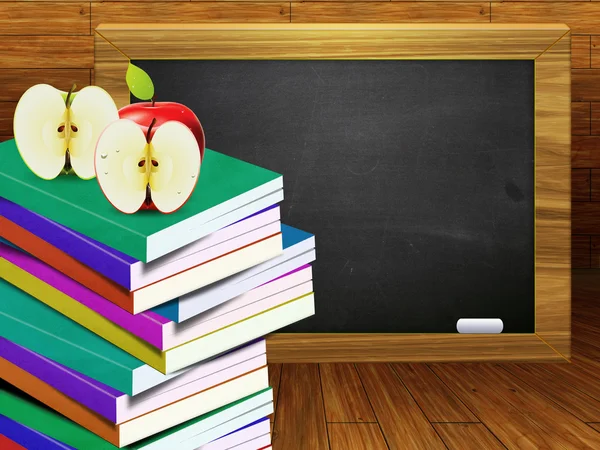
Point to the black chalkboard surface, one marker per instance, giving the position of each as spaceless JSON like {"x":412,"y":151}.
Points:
{"x":417,"y":178}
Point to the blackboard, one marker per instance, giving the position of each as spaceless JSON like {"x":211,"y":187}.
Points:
{"x":417,"y":178}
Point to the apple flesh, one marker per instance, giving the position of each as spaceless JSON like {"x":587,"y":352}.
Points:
{"x":143,"y":113}
{"x":57,"y":131}
{"x":140,"y":169}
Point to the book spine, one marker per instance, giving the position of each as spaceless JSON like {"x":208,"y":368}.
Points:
{"x":141,"y":324}
{"x":88,"y":223}
{"x":84,"y":250}
{"x":15,"y":328}
{"x":72,"y":384}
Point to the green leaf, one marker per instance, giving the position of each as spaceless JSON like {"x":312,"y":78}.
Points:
{"x":139,"y":83}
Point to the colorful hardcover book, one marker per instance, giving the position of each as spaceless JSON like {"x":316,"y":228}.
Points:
{"x":22,"y":437}
{"x":298,"y":250}
{"x":187,"y":436}
{"x":124,"y":270}
{"x":253,"y":436}
{"x":99,"y":315}
{"x":220,"y":261}
{"x":36,"y":326}
{"x":225,"y":184}
{"x":118,"y":407}
{"x":140,"y":427}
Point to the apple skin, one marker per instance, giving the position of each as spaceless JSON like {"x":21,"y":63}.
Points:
{"x":143,"y":113}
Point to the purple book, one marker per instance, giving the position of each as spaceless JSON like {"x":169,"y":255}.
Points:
{"x":119,"y":407}
{"x":119,"y":267}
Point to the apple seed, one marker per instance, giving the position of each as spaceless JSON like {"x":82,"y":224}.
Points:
{"x":148,"y":200}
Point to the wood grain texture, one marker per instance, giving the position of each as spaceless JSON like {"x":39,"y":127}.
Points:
{"x":587,"y":347}
{"x":581,"y":118}
{"x":402,"y":421}
{"x":300,"y":418}
{"x":15,"y":82}
{"x":595,"y":184}
{"x":7,"y":111}
{"x":553,"y":307}
{"x":375,"y":347}
{"x":467,"y":436}
{"x":274,"y":380}
{"x":587,"y":333}
{"x":581,"y":17}
{"x":189,"y":12}
{"x":586,"y":85}
{"x":110,"y":70}
{"x":52,"y":18}
{"x":547,"y":415}
{"x":332,"y":41}
{"x":595,"y":426}
{"x":581,"y":252}
{"x":42,"y":52}
{"x":581,"y":185}
{"x":595,"y":252}
{"x":580,"y":52}
{"x":595,"y":51}
{"x":348,"y":12}
{"x":553,"y":212}
{"x":591,"y":353}
{"x":343,"y":394}
{"x":553,"y":105}
{"x":355,"y":436}
{"x":595,"y":118}
{"x":585,"y":152}
{"x":438,"y":403}
{"x":519,"y":417}
{"x":566,"y":395}
{"x":584,"y":348}
{"x":586,"y":218}
{"x":553,"y":196}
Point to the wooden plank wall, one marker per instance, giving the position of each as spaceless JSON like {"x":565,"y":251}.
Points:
{"x":52,"y":42}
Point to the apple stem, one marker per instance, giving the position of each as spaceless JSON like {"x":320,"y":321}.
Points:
{"x":153,"y":100}
{"x":150,"y":129}
{"x":67,"y":101}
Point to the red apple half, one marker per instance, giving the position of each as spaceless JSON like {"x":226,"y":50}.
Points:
{"x":143,"y":113}
{"x":140,"y":170}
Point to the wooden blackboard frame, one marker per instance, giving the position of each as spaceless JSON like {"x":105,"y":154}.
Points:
{"x":548,"y":45}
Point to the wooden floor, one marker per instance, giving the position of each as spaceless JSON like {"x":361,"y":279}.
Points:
{"x":448,"y":406}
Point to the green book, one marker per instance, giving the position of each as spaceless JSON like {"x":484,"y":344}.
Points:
{"x":190,"y":435}
{"x":32,"y":324}
{"x":225,"y":193}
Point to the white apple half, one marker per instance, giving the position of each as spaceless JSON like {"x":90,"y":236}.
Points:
{"x":138,"y":170}
{"x":56,"y":130}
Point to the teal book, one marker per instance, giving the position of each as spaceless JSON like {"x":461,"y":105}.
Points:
{"x":24,"y":412}
{"x":228,"y":189}
{"x":32,"y":324}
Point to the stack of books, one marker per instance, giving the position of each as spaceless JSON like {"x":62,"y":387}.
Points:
{"x":144,"y":331}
